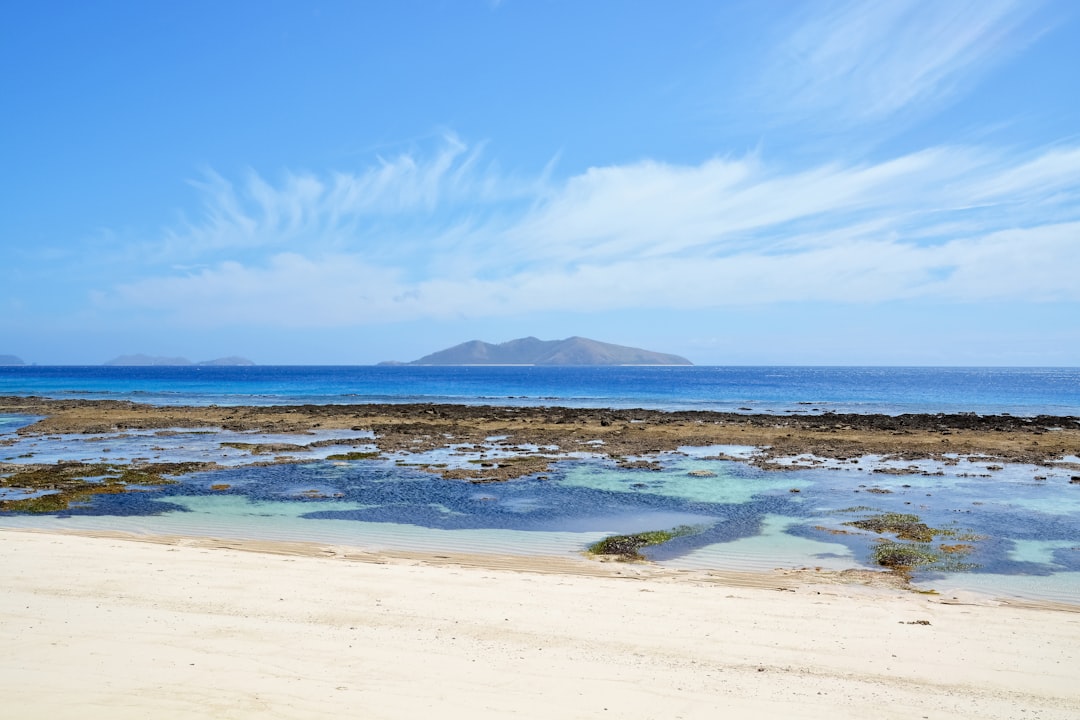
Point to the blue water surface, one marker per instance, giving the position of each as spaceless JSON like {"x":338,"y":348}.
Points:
{"x":1015,"y":525}
{"x":1019,"y":391}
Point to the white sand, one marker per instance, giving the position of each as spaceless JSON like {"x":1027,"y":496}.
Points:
{"x":104,"y":627}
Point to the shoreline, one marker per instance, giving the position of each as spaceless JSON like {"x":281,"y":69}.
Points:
{"x":129,"y":628}
{"x":853,"y":581}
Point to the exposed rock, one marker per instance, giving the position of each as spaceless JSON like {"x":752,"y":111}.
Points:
{"x":630,"y":433}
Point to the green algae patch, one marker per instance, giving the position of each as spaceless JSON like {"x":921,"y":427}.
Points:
{"x":906,"y":557}
{"x":61,"y":501}
{"x":353,"y":456}
{"x":902,"y":525}
{"x":903,"y":556}
{"x":916,"y":544}
{"x":64,"y":484}
{"x":627,"y":547}
{"x":958,"y":549}
{"x":264,"y":448}
{"x":53,"y":502}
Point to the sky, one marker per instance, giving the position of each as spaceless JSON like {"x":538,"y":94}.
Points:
{"x":744,"y":182}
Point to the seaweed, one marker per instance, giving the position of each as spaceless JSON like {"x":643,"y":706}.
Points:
{"x":626,"y":547}
{"x":902,"y":556}
{"x":69,"y":483}
{"x":355,"y":455}
{"x":918,"y":550}
{"x":905,"y":557}
{"x":264,"y":448}
{"x":903,"y":525}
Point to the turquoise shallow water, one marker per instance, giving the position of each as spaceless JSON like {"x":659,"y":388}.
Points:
{"x":743,"y":517}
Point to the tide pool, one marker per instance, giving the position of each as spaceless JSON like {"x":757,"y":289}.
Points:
{"x":1015,"y":535}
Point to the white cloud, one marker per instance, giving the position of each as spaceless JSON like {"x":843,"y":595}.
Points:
{"x":1042,"y":176}
{"x":718,"y":207}
{"x":867,"y":61}
{"x":310,"y":212}
{"x":1029,"y":264}
{"x":942,"y":224}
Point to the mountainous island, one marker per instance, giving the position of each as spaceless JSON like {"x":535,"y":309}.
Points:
{"x":532,"y":351}
{"x":10,"y":360}
{"x":151,"y":360}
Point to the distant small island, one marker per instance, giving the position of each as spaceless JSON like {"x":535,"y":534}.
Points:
{"x":532,"y":351}
{"x":10,"y":360}
{"x":155,"y":361}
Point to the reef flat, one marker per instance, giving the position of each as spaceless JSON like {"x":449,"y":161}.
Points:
{"x":616,"y":433}
{"x":506,"y":442}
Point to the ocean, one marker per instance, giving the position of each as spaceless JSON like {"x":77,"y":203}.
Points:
{"x":1021,"y":522}
{"x":1019,"y":391}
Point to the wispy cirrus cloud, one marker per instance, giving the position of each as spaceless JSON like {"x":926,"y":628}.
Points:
{"x":862,"y":62}
{"x":943,"y":224}
{"x":326,"y":212}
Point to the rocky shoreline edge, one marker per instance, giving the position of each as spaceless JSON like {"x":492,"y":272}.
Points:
{"x":513,"y":442}
{"x":621,"y":432}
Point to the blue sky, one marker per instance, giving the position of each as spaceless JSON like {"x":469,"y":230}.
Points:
{"x":765,"y":182}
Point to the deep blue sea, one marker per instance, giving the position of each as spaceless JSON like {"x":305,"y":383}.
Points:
{"x":1019,"y":391}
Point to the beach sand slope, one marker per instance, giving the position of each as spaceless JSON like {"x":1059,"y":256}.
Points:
{"x":105,"y":627}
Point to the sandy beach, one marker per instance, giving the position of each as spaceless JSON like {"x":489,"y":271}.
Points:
{"x":115,"y":627}
{"x":106,"y":625}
